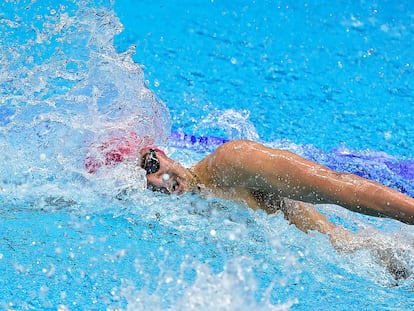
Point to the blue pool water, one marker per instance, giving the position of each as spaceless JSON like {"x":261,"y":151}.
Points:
{"x":330,"y":81}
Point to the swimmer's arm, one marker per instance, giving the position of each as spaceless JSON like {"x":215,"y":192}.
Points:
{"x":304,"y":216}
{"x":307,"y":218}
{"x":255,"y":166}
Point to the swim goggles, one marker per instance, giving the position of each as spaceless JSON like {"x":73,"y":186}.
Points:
{"x":150,"y":162}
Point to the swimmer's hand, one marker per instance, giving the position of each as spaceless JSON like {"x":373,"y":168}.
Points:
{"x":391,"y":259}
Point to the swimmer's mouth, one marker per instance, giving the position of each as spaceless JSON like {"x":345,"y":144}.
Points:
{"x":174,"y":187}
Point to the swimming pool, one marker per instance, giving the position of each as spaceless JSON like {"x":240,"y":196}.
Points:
{"x":331,"y":81}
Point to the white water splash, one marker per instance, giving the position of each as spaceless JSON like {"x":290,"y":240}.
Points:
{"x":63,"y":86}
{"x":232,"y":289}
{"x":234,"y":123}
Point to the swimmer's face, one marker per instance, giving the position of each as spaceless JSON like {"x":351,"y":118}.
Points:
{"x":164,"y":174}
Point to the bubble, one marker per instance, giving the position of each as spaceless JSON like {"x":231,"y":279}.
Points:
{"x":63,"y":308}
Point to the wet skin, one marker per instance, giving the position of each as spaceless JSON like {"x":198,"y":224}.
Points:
{"x":260,"y":175}
{"x":263,"y":178}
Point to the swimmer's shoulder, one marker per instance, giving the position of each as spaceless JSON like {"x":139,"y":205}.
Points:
{"x":246,"y":150}
{"x":239,"y":146}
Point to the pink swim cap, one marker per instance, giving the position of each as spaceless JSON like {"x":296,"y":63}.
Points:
{"x":115,"y":149}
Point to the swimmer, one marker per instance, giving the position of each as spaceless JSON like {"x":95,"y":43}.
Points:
{"x":259,"y":177}
{"x":273,"y":180}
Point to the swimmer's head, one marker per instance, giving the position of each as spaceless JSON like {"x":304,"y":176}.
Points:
{"x":163,"y":173}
